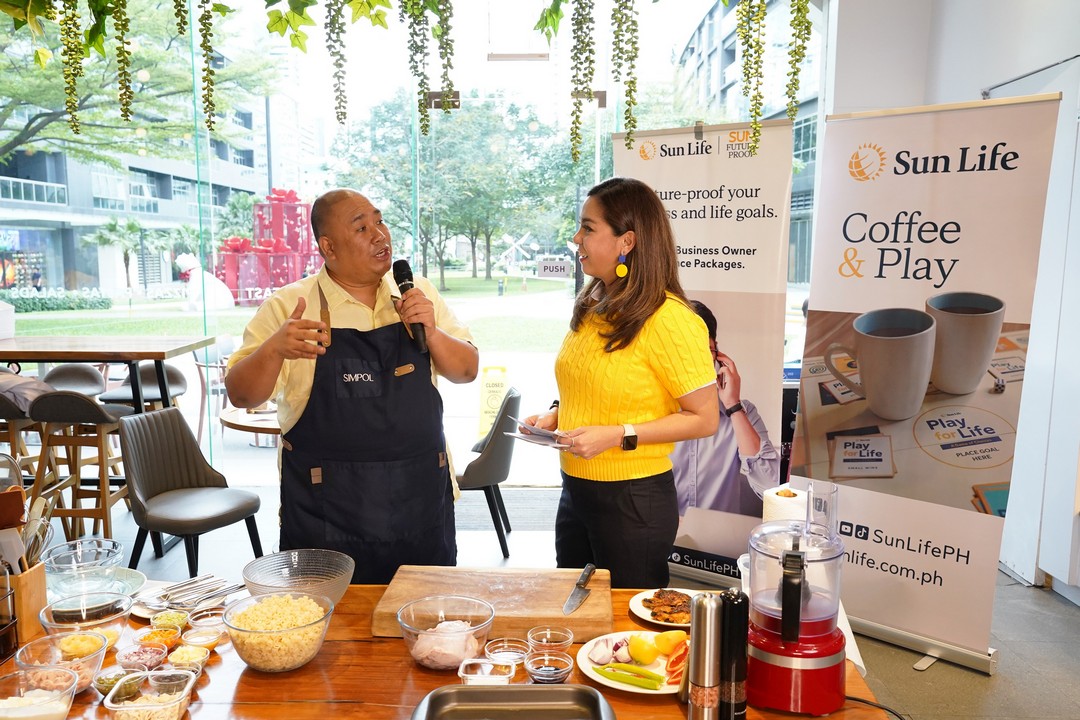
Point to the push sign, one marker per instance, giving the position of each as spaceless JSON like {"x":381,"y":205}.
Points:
{"x":554,"y":268}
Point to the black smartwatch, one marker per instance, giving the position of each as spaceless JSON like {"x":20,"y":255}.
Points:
{"x":737,"y":407}
{"x":629,"y":437}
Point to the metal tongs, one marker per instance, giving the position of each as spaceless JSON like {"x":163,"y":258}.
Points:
{"x":188,"y":594}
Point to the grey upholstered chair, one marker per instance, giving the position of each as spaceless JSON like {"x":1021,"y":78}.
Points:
{"x":148,"y":381}
{"x":493,"y":465}
{"x":173,"y":488}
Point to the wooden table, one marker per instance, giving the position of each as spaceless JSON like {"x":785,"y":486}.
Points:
{"x":127,"y":349}
{"x":260,"y":423}
{"x":358,"y":675}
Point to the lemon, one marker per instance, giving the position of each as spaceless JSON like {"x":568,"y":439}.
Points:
{"x":668,"y":641}
{"x":642,"y":650}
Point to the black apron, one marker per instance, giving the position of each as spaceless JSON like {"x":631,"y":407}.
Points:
{"x":364,"y":470}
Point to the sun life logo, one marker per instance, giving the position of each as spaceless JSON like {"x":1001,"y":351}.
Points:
{"x":647,"y":150}
{"x":867,"y":162}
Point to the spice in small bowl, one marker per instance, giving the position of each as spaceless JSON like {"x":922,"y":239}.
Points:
{"x":484,"y":671}
{"x":203,"y":637}
{"x":167,"y":635}
{"x":189,"y":655}
{"x":149,"y":655}
{"x":107,"y":679}
{"x":208,"y":618}
{"x":177,"y":618}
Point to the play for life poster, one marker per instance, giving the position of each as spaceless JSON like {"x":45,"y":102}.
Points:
{"x":926,"y":244}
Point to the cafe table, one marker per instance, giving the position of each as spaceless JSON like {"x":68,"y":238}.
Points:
{"x":356,"y":675}
{"x":127,"y":349}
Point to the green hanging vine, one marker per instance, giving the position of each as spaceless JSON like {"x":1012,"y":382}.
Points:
{"x":206,"y":34}
{"x":121,"y":26}
{"x":624,"y":54}
{"x":751,"y":34}
{"x":800,"y":36}
{"x":445,"y":13}
{"x":180,"y":11}
{"x":71,"y":37}
{"x":335,"y":32}
{"x":412,"y":13}
{"x":584,"y":53}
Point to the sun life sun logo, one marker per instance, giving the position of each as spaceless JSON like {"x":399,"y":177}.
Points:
{"x":647,"y":150}
{"x":867,"y":162}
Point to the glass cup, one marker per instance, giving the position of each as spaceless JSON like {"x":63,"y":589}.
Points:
{"x":548,"y":667}
{"x":510,"y":650}
{"x":550,"y":637}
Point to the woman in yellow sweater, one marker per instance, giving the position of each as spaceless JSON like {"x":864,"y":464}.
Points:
{"x":633,"y":380}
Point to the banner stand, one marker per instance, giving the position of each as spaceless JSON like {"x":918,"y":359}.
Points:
{"x":935,"y":649}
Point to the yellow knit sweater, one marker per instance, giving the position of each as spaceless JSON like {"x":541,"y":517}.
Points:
{"x":668,"y":359}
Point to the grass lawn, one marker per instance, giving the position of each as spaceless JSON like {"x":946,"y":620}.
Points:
{"x":165,"y":317}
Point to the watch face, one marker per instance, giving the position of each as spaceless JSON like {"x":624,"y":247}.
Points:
{"x":629,"y":442}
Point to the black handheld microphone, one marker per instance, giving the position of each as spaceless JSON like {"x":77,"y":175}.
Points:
{"x":404,"y":279}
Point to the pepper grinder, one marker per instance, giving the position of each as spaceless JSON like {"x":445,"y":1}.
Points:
{"x":703,"y":664}
{"x":735,"y":615}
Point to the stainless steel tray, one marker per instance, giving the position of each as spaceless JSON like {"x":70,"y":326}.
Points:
{"x":489,"y":702}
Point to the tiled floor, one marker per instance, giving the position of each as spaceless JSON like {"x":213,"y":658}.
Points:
{"x":1036,"y":632}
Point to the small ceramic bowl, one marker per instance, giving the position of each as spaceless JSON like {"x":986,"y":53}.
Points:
{"x":548,"y":667}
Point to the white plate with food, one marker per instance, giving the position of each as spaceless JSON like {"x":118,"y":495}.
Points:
{"x":669,"y":607}
{"x":657,"y":668}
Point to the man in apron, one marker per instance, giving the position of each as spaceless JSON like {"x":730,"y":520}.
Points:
{"x":363,"y":460}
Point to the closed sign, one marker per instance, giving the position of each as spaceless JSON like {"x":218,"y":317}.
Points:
{"x":554,"y":268}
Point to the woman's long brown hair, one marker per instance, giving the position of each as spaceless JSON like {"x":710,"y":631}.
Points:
{"x":629,"y":204}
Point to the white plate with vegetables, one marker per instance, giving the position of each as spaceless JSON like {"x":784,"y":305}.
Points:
{"x":621,"y":672}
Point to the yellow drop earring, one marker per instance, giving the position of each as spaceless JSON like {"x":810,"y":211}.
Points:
{"x":621,"y":270}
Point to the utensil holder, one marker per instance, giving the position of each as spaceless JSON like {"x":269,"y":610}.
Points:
{"x":30,"y":598}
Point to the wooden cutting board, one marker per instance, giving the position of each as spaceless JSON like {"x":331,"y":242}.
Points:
{"x":523,"y":598}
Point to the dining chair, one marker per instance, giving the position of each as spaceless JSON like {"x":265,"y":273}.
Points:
{"x":211,"y":363}
{"x":493,"y":464}
{"x":16,"y":394}
{"x":72,"y":421}
{"x":77,"y":377}
{"x":151,"y":392}
{"x":174,"y":490}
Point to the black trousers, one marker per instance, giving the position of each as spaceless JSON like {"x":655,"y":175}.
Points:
{"x":627,"y":527}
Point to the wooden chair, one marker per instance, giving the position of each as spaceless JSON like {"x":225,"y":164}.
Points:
{"x":211,"y":363}
{"x":150,"y":390}
{"x":73,"y":421}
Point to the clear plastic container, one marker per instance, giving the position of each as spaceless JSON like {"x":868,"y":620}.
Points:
{"x":158,"y":694}
{"x":483,"y":671}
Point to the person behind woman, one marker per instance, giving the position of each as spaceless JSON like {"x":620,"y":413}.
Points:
{"x":634,"y":377}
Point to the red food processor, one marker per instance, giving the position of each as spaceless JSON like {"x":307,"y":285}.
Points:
{"x":795,"y":649}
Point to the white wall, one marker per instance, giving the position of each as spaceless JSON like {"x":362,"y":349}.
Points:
{"x":884,"y":54}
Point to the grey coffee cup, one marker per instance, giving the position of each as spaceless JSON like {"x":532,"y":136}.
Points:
{"x":894,"y":348}
{"x":968,"y":328}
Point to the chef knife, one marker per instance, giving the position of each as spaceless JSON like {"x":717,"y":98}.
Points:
{"x":580,"y":592}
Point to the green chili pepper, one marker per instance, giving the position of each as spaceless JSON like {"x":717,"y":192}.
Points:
{"x":629,"y":678}
{"x":635,"y":670}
